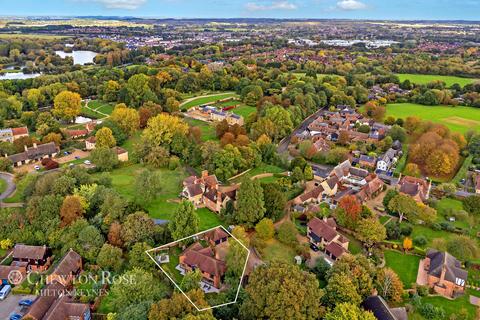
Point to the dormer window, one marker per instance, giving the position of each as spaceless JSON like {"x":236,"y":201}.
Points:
{"x":459,"y":282}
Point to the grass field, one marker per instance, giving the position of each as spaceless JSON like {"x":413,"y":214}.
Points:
{"x":167,"y":201}
{"x":207,"y":129}
{"x":203,"y":100}
{"x":21,"y":185}
{"x":101,"y":106}
{"x":244,"y":110}
{"x":460,"y":119}
{"x":277,"y":251}
{"x":427,"y":78}
{"x":3,"y":186}
{"x":451,"y":307}
{"x":406,"y":266}
{"x":263,"y":168}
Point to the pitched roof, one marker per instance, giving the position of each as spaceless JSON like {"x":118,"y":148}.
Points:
{"x":194,"y":190}
{"x":5,"y":271}
{"x":440,"y":260}
{"x":216,"y":234}
{"x":65,"y":308}
{"x":324,"y":229}
{"x":35,"y":152}
{"x":45,"y":300}
{"x":21,"y":251}
{"x":335,"y":249}
{"x":69,"y":264}
{"x":414,"y":187}
{"x":20,"y":131}
{"x":379,"y":308}
{"x":203,"y":259}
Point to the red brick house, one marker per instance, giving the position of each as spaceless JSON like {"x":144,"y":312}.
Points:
{"x":323,"y":235}
{"x":34,"y":258}
{"x":67,"y":270}
{"x":417,"y":188}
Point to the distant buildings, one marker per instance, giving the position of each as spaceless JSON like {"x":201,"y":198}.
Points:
{"x":210,"y":113}
{"x":12,"y":134}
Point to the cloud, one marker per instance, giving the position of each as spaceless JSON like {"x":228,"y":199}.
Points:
{"x":351,"y":5}
{"x":121,"y":4}
{"x":277,"y":5}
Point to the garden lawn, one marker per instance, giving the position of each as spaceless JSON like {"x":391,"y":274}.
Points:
{"x":21,"y":185}
{"x":462,"y":172}
{"x":452,"y":307}
{"x":164,"y":205}
{"x":244,"y":110}
{"x":207,"y":129}
{"x":203,"y":100}
{"x":427,"y":78}
{"x":90,"y":113}
{"x":354,"y":246}
{"x":277,"y":251}
{"x":460,"y":118}
{"x":3,"y":186}
{"x":130,"y":142}
{"x":101,"y":106}
{"x":406,"y":266}
{"x":263,"y":168}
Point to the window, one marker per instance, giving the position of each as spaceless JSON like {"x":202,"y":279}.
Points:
{"x":459,"y":282}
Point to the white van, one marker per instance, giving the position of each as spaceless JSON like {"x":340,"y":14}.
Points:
{"x":5,"y":291}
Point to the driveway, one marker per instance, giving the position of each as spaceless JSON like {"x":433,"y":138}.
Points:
{"x":10,"y":185}
{"x":10,"y":305}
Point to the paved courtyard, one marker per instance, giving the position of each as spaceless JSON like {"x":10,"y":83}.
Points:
{"x":10,"y":305}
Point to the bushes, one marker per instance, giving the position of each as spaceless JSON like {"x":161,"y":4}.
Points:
{"x":420,"y":241}
{"x":287,"y":233}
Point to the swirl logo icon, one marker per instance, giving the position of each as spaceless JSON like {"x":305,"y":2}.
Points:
{"x":15,"y":277}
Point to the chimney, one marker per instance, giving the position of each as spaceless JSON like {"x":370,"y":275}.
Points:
{"x":35,"y":145}
{"x":204,"y":173}
{"x":25,"y":147}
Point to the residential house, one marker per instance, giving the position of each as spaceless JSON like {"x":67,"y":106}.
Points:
{"x":321,"y":145}
{"x":203,"y":258}
{"x":367,"y":162}
{"x":122,"y":154}
{"x":381,"y":311}
{"x":417,"y":188}
{"x":445,"y":274}
{"x":67,"y":269}
{"x":216,"y":236}
{"x":33,"y":258}
{"x":12,"y":134}
{"x":206,"y":191}
{"x":90,"y":143}
{"x":5,"y":273}
{"x":386,"y":161}
{"x":74,"y":134}
{"x":322,"y":234}
{"x":33,"y":154}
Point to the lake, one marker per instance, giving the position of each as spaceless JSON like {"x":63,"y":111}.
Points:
{"x":80,"y":57}
{"x":18,"y":76}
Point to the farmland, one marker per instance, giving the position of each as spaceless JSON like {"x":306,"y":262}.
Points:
{"x":426,"y":78}
{"x":460,"y":119}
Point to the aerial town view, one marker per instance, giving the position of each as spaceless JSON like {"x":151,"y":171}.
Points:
{"x":242,"y":159}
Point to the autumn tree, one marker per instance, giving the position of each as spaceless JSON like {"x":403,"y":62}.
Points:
{"x":104,"y":138}
{"x":67,"y":105}
{"x":389,"y":285}
{"x":341,"y":289}
{"x":407,"y":244}
{"x":179,"y":307}
{"x":250,"y":203}
{"x":296,"y":293}
{"x":137,"y":227}
{"x":126,"y":118}
{"x":71,"y":210}
{"x":184,"y":221}
{"x":162,"y":128}
{"x":352,"y":208}
{"x":110,"y":257}
{"x":265,"y":229}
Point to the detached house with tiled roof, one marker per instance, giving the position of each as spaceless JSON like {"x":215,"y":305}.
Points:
{"x":323,"y":235}
{"x":33,"y":258}
{"x":417,"y":188}
{"x":445,"y":274}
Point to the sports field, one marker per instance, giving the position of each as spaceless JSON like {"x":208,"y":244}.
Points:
{"x":460,"y":119}
{"x":426,"y":78}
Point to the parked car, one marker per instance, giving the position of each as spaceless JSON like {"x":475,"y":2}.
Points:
{"x":77,"y":157}
{"x":87,"y":162}
{"x":15,"y":316}
{"x":5,"y":291}
{"x":313,"y":247}
{"x":36,"y":167}
{"x":25,"y":302}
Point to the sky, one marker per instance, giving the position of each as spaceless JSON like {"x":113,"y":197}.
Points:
{"x":317,"y":9}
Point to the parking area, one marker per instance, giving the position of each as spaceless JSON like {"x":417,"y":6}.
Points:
{"x":10,"y":305}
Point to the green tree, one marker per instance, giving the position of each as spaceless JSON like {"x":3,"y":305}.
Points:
{"x":138,"y":227}
{"x":275,"y":200}
{"x":341,"y":289}
{"x":265,"y":229}
{"x":105,"y":159}
{"x":404,"y":205}
{"x":282,"y":291}
{"x":370,"y":231}
{"x":178,"y":307}
{"x":348,"y":311}
{"x":191,"y":281}
{"x":148,"y":185}
{"x":287,"y":233}
{"x":250,"y":203}
{"x":184,"y":221}
{"x":110,"y":257}
{"x":137,"y":257}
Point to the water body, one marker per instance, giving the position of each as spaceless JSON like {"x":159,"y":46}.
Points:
{"x":80,"y":57}
{"x":18,"y":76}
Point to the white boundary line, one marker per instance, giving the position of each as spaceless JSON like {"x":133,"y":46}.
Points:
{"x":176,"y":285}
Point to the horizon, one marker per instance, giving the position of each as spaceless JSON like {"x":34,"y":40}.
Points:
{"x":395,"y":10}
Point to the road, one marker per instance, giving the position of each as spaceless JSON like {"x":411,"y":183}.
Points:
{"x":10,"y":185}
{"x":283,"y":145}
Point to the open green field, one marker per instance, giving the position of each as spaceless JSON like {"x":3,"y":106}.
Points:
{"x":263,"y":168}
{"x":244,"y":110}
{"x":3,"y":186}
{"x":277,"y":251}
{"x":460,"y":119}
{"x":427,"y":78}
{"x":406,"y":266}
{"x":21,"y":185}
{"x":165,"y":204}
{"x":203,"y":100}
{"x":101,"y":106}
{"x":207,"y":129}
